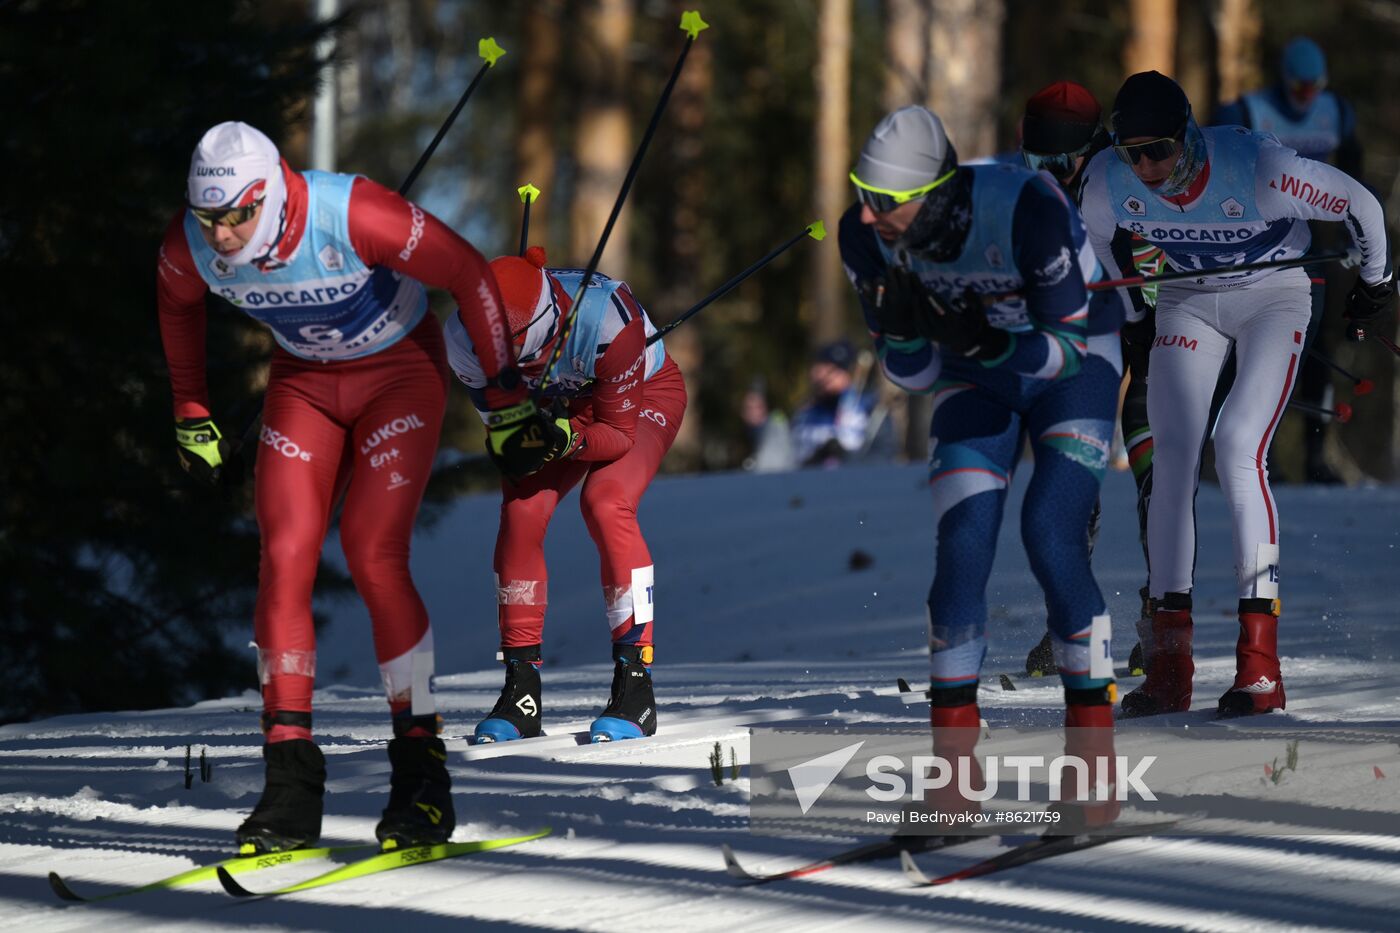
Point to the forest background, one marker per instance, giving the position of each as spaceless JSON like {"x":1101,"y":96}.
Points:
{"x":123,"y":586}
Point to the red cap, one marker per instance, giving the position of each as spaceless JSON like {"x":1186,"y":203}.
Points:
{"x":533,"y":300}
{"x":1065,"y":99}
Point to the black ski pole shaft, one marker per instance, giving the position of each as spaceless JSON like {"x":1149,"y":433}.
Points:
{"x":489,"y":52}
{"x":528,"y":195}
{"x":1385,"y":342}
{"x":692,"y":24}
{"x":1332,"y":364}
{"x":1342,"y":412}
{"x":1139,"y":281}
{"x":816,"y":230}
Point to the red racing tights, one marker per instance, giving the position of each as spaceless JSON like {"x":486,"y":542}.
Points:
{"x":611,"y":492}
{"x":368,"y":429}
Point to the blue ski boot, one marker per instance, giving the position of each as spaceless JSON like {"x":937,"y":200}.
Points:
{"x":631,"y":713}
{"x":518,"y":712}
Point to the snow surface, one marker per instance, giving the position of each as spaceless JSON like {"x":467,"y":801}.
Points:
{"x":761,"y":621}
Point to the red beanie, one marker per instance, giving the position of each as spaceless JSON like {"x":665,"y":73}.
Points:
{"x":1063,"y":117}
{"x":532,"y":298}
{"x":1065,"y":99}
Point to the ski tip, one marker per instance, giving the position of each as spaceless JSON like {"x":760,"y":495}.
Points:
{"x":60,"y":887}
{"x":731,"y":864}
{"x":1006,"y":682}
{"x":903,"y":685}
{"x":231,"y":886}
{"x":911,"y":868}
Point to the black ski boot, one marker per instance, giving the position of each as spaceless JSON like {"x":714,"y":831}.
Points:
{"x":518,"y":712}
{"x":1041,"y":661}
{"x":1137,"y":663}
{"x":420,"y":809}
{"x":631,"y":713}
{"x":288,"y":815}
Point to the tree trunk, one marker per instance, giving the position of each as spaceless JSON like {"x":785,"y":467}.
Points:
{"x":964,"y":70}
{"x":1151,"y":44}
{"x":684,"y":259}
{"x":833,"y":144}
{"x":964,"y":85}
{"x":906,"y":53}
{"x":906,"y":82}
{"x":1238,"y":31}
{"x":603,"y":139}
{"x":536,"y":115}
{"x":1196,"y":58}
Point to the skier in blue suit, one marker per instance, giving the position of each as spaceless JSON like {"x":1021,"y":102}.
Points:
{"x":972,"y":282}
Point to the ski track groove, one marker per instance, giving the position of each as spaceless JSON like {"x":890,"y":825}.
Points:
{"x":763,"y":625}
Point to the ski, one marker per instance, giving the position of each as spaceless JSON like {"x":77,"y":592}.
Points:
{"x":237,"y":865}
{"x":1041,"y":847}
{"x":868,"y":852}
{"x":908,"y":695}
{"x":384,"y":861}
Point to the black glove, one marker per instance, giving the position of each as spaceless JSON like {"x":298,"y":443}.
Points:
{"x":1364,"y":305}
{"x":963,"y":329}
{"x":205,"y":453}
{"x":522,"y":439}
{"x":894,"y":299}
{"x":1137,"y":344}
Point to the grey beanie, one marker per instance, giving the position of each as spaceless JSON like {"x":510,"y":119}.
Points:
{"x":907,"y":149}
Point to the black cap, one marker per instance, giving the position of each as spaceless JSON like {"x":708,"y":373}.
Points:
{"x":838,"y":353}
{"x":1149,"y":104}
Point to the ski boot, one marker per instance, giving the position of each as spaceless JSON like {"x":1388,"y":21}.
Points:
{"x":518,"y":712}
{"x":1137,"y":665}
{"x":1089,"y":738}
{"x":956,"y":724}
{"x":420,"y":811}
{"x":1170,"y":668}
{"x":1258,"y":686}
{"x":631,"y":712}
{"x":288,"y":815}
{"x":1041,"y":661}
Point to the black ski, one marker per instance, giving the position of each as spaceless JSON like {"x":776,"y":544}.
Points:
{"x":868,"y":852}
{"x":1042,"y":847}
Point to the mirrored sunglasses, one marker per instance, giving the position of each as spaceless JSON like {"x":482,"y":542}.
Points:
{"x":226,"y":216}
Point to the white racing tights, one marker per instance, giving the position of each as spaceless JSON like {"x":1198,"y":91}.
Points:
{"x":1266,"y":323}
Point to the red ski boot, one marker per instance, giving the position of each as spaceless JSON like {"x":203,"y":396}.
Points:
{"x":1167,"y":688}
{"x":955,"y":731}
{"x":1089,"y":738}
{"x":1258,"y":684}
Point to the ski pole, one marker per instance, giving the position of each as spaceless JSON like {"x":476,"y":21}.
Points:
{"x":816,"y":230}
{"x":1342,"y":412}
{"x":528,"y":195}
{"x":1386,"y":342}
{"x":692,"y":24}
{"x":1140,"y":281}
{"x":1360,"y":386}
{"x":489,"y":52}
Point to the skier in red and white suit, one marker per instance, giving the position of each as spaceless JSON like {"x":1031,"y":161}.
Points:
{"x":625,"y":401}
{"x":1219,"y":200}
{"x":332,"y":264}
